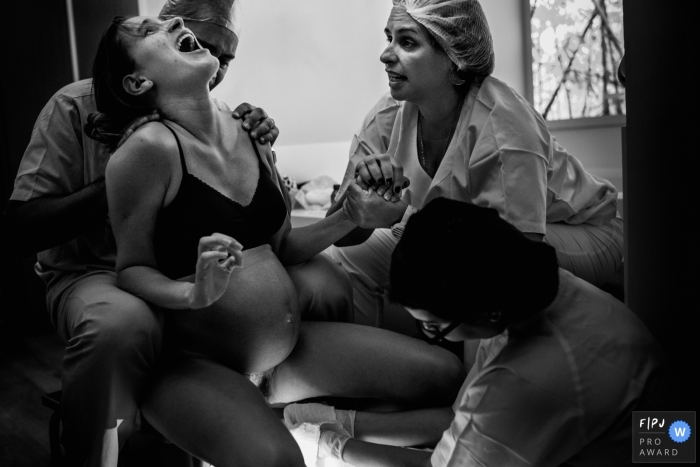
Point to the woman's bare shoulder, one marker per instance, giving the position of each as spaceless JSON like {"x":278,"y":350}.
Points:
{"x":150,"y":144}
{"x":150,"y":153}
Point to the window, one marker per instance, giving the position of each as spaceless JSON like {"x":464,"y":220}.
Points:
{"x":576,"y":48}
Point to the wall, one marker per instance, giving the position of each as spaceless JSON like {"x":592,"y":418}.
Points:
{"x":504,"y":18}
{"x":314,"y":67}
{"x":91,"y":19}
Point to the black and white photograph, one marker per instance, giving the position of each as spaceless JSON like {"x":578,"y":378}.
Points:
{"x":368,"y":233}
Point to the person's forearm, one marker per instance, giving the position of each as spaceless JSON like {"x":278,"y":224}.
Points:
{"x":152,"y":286}
{"x":364,"y":454}
{"x":43,"y":223}
{"x":303,"y":243}
{"x":357,"y":235}
{"x":422,"y":427}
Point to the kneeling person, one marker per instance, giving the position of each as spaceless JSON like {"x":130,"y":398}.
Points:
{"x":560,"y":367}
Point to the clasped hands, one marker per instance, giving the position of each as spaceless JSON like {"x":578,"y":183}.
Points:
{"x":373,"y":199}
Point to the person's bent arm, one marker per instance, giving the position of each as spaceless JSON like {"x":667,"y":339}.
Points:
{"x":363,"y":454}
{"x":43,"y":223}
{"x":51,"y":203}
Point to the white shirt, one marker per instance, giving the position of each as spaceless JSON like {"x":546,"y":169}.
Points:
{"x":501,"y":156}
{"x":557,"y":389}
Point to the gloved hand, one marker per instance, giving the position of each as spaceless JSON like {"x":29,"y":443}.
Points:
{"x":319,"y":413}
{"x":333,"y":439}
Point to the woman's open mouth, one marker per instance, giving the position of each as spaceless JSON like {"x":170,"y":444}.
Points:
{"x":187,"y":43}
{"x":395,"y":78}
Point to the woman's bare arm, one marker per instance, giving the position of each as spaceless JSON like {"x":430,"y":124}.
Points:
{"x":363,"y":454}
{"x":138,"y":176}
{"x":357,"y":235}
{"x":297,"y":245}
{"x":361,"y":208}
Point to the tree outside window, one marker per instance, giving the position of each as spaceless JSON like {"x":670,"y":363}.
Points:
{"x":576,"y":48}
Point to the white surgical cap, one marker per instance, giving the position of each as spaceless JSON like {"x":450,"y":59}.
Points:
{"x":225,"y":13}
{"x":460,"y":27}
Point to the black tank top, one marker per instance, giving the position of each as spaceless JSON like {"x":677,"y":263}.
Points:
{"x":199,"y":210}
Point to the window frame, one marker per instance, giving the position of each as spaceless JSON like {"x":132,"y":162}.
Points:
{"x":604,"y":121}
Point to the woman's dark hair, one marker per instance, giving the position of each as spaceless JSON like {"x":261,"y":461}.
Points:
{"x":116,"y":108}
{"x":460,"y":262}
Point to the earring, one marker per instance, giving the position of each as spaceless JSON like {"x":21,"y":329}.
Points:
{"x":455,"y":79}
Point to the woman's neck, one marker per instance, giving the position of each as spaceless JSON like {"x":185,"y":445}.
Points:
{"x":440,"y":112}
{"x":197,"y":114}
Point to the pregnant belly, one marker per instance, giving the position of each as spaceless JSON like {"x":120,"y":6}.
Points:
{"x":253,"y":326}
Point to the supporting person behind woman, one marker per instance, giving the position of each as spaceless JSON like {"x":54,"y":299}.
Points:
{"x":561,"y":365}
{"x":457,"y":132}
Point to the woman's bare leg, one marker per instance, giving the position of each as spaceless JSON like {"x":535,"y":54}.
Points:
{"x":324,"y":290}
{"x":348,"y":360}
{"x":218,"y":416}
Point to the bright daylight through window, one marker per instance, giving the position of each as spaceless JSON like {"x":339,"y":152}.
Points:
{"x":576,"y":49}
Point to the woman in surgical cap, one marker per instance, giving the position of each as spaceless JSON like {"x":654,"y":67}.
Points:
{"x":203,"y":233}
{"x":447,"y":128}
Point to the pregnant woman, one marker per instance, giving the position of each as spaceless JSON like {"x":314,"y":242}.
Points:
{"x":202,"y":231}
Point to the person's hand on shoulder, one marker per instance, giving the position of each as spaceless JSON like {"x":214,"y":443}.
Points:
{"x":256,"y":121}
{"x":218,"y":256}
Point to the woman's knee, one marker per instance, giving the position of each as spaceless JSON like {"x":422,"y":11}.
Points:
{"x":324,"y":288}
{"x":449,"y":375}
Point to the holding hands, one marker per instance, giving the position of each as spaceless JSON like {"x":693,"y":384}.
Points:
{"x":218,"y":255}
{"x":373,"y":199}
{"x":383,"y":174}
{"x":367,"y":209}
